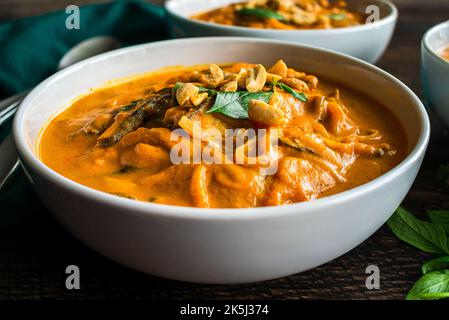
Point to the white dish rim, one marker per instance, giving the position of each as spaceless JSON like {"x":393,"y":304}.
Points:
{"x":426,"y":45}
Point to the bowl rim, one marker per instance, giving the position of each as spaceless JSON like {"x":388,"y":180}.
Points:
{"x":32,"y":160}
{"x":425,"y":41}
{"x":391,"y":17}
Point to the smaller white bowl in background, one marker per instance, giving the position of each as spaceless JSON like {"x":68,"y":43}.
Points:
{"x":367,"y":42}
{"x":435,"y":70}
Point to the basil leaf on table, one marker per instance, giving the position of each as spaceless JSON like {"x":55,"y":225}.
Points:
{"x":235,"y":104}
{"x":433,"y":285}
{"x":261,"y":13}
{"x":439,"y":216}
{"x":435,"y":265}
{"x":298,"y":95}
{"x":426,"y":236}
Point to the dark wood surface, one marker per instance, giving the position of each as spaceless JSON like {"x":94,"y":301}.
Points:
{"x":35,"y":252}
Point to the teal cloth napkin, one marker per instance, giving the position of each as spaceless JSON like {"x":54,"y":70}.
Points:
{"x":30,"y":50}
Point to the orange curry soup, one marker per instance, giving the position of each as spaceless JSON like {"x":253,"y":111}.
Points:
{"x":445,"y":53}
{"x":285,"y":14}
{"x":118,"y":139}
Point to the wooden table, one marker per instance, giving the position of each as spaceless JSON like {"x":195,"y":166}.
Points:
{"x":35,"y":252}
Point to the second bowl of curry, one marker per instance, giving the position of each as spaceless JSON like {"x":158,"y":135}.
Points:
{"x":355,"y":27}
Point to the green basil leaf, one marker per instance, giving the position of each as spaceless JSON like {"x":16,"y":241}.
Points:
{"x":439,"y":216}
{"x":200,"y":89}
{"x":235,"y":104}
{"x":434,"y":296}
{"x":426,"y":236}
{"x":261,"y":13}
{"x":435,"y":265}
{"x":337,"y":16}
{"x":298,"y":95}
{"x":433,"y":285}
{"x":211,"y":92}
{"x":177,"y":86}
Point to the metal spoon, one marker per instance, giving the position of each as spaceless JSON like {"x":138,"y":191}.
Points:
{"x":8,"y":107}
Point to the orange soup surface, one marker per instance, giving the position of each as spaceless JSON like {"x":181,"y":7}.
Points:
{"x":183,"y":136}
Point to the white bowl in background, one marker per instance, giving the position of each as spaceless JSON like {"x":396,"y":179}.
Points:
{"x":220,"y":245}
{"x":435,"y":70}
{"x":366,"y":42}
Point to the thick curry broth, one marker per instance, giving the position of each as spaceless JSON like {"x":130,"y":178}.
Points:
{"x":445,"y":53}
{"x":78,"y":157}
{"x":284,"y":14}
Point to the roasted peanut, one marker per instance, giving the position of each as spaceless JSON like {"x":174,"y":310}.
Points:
{"x":265,"y":114}
{"x":199,"y":98}
{"x":214,"y":78}
{"x":185,"y":92}
{"x":273,"y":77}
{"x":303,"y":17}
{"x":231,"y":86}
{"x":279,"y":68}
{"x":257,"y":76}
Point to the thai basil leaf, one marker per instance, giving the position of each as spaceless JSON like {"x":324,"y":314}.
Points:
{"x":436,"y":265}
{"x":426,"y":236}
{"x":439,"y":216}
{"x":177,"y":85}
{"x":200,"y":89}
{"x":337,"y":16}
{"x":433,"y":285}
{"x":298,"y":95}
{"x":261,"y":13}
{"x":235,"y":104}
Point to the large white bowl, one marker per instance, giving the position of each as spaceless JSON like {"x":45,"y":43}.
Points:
{"x":435,"y":70}
{"x":220,"y":245}
{"x":366,"y":42}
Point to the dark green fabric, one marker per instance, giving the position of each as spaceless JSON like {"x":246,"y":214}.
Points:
{"x":30,"y":48}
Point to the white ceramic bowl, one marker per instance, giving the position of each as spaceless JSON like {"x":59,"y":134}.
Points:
{"x":219,"y":245}
{"x":366,"y":42}
{"x":435,"y":70}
